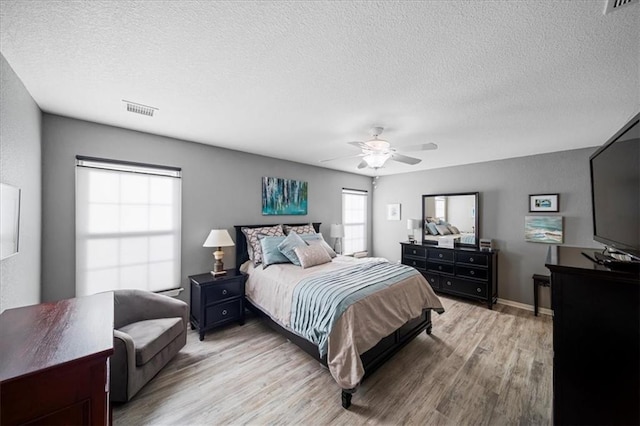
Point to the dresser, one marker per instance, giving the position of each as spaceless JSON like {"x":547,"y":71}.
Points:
{"x":216,"y":300}
{"x":54,"y":362}
{"x":460,"y":271}
{"x":596,"y":341}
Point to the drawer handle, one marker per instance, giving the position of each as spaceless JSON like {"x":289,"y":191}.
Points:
{"x":414,"y":263}
{"x":479,"y":290}
{"x":471,"y":259}
{"x":472,"y":272}
{"x":414,"y":252}
{"x":224,"y":291}
{"x":440,"y":255}
{"x":448,"y":282}
{"x":224,"y":311}
{"x":440,"y":267}
{"x":433,"y":280}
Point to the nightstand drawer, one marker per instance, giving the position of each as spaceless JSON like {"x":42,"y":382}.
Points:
{"x":469,"y":272}
{"x":469,"y":288}
{"x":446,"y":255}
{"x":445,"y":268}
{"x":224,"y":290}
{"x":416,"y":263}
{"x":223,"y":311}
{"x":414,"y":251}
{"x":472,"y":258}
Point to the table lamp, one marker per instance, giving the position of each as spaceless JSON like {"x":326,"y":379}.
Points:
{"x":413,"y":224}
{"x":337,"y":232}
{"x":218,"y":238}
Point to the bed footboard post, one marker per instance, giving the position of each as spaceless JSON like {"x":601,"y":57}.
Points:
{"x":346,"y":398}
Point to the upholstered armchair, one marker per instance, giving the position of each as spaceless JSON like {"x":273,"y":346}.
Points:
{"x":149,"y":330}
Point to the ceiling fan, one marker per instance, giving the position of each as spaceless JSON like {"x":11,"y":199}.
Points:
{"x":376,"y":151}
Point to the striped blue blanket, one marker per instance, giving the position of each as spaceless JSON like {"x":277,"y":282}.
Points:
{"x":319,"y":301}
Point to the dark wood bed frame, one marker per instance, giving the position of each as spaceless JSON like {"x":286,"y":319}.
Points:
{"x":373,"y":358}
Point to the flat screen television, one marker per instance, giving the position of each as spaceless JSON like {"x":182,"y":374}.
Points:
{"x":615,"y":190}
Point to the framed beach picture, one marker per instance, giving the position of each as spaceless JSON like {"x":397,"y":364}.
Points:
{"x":9,"y":220}
{"x":544,"y":202}
{"x":393,"y":211}
{"x":543,"y":229}
{"x":283,"y":197}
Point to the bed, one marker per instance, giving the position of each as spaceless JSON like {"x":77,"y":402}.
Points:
{"x":462,"y":238}
{"x":366,"y":334}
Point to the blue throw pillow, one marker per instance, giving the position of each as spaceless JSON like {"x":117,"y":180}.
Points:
{"x":270,"y":253}
{"x":432,"y":228}
{"x":288,"y":245}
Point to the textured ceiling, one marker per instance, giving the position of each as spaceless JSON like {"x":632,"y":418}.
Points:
{"x":296,"y":80}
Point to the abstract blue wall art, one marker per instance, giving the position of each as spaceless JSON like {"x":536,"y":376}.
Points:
{"x":283,"y":197}
{"x":543,"y":229}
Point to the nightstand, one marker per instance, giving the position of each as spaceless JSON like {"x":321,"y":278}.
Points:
{"x":216,"y":300}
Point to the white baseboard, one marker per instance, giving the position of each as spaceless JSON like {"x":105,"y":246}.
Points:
{"x":544,"y":311}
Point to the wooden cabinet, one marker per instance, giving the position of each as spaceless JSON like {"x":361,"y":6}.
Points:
{"x":216,"y":300}
{"x":596,"y":341}
{"x":54,"y":362}
{"x":462,"y":271}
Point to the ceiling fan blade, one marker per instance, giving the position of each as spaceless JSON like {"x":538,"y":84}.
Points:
{"x":344,"y":156}
{"x":420,"y":147}
{"x":404,"y":159}
{"x":363,"y":164}
{"x":359,"y":144}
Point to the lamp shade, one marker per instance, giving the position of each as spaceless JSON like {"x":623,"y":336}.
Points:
{"x":337,"y":231}
{"x":413,"y":224}
{"x":218,"y":238}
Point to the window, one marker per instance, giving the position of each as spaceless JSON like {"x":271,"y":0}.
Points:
{"x":441,"y":207}
{"x":354,"y":219}
{"x":128,"y":226}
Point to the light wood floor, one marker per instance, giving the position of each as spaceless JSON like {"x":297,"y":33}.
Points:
{"x":479,"y":367}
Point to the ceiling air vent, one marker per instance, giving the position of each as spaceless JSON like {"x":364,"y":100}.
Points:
{"x":140,"y":109}
{"x":613,"y":5}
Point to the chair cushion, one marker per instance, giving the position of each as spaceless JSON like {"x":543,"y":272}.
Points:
{"x":151,"y":336}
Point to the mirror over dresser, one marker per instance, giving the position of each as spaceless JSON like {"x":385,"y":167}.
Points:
{"x":463,"y":269}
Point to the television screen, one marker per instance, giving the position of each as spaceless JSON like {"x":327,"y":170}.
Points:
{"x":615,"y":190}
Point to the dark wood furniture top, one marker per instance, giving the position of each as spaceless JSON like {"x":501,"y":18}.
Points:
{"x":460,"y":271}
{"x":596,"y":340}
{"x":216,"y":300}
{"x":53,"y":361}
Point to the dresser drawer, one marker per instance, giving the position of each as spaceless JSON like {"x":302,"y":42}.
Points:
{"x":444,"y":268}
{"x":433,"y":280}
{"x":224,"y":290}
{"x":416,"y":263}
{"x":472,"y":258}
{"x":468,"y":288}
{"x":223,"y":311}
{"x":436,"y":254}
{"x":470,"y":272}
{"x":414,"y":251}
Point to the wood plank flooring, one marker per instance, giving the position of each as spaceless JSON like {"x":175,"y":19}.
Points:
{"x":478,"y":367}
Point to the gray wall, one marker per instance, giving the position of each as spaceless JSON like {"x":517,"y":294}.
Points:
{"x":504,"y":188}
{"x":220,"y":188}
{"x":20,"y":166}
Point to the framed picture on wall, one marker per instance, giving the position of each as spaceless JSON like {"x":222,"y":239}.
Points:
{"x":393,"y":211}
{"x":544,"y":203}
{"x":9,"y":220}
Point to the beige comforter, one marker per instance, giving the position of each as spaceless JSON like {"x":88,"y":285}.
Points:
{"x":359,"y":328}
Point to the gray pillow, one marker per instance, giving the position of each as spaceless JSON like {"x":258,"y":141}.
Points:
{"x":453,"y":229}
{"x":318,"y":239}
{"x":312,"y":255}
{"x":443,"y":230}
{"x":288,"y":245}
{"x":270,"y":253}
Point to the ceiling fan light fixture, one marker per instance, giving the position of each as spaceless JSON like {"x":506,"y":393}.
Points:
{"x":376,"y":160}
{"x":378,"y":144}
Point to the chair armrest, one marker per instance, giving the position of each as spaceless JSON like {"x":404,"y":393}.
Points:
{"x":137,"y":305}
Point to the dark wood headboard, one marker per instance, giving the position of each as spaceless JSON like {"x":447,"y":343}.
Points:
{"x":241,"y":242}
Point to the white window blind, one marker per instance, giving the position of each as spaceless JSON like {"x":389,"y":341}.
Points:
{"x":128,"y":226}
{"x":354,"y":219}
